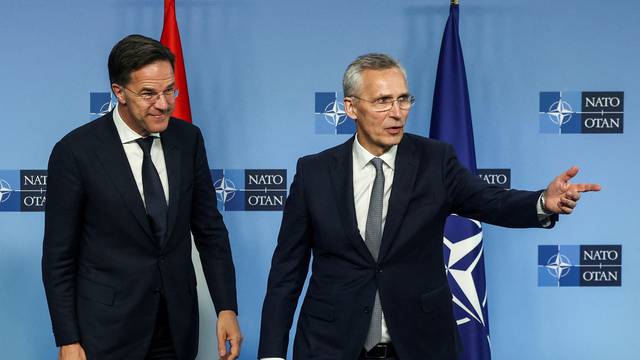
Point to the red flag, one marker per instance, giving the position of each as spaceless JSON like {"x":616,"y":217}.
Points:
{"x":171,"y":39}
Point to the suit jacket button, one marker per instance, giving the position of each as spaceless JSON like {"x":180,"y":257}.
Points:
{"x":157,"y":291}
{"x":366,"y":310}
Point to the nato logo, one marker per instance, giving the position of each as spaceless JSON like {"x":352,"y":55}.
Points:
{"x":250,"y":189}
{"x":579,"y":265}
{"x":464,"y":265}
{"x":587,"y":112}
{"x":101,"y":103}
{"x":498,"y":177}
{"x":330,"y":117}
{"x":23,"y":190}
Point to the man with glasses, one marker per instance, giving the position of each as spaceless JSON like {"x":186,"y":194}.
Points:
{"x":125,"y":193}
{"x":371,"y":212}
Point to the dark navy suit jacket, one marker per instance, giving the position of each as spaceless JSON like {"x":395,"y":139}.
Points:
{"x":319,"y":219}
{"x":103,"y":271}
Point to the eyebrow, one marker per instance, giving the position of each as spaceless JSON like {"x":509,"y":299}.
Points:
{"x":388,"y":96}
{"x":145,"y":88}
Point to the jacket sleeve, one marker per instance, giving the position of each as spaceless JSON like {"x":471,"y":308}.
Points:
{"x":210,"y":235}
{"x":289,"y":268}
{"x":471,"y":197}
{"x":63,"y":220}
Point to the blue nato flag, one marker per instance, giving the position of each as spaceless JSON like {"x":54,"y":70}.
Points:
{"x":462,"y":246}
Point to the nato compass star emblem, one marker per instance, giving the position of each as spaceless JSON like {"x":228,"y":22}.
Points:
{"x":225,"y":189}
{"x":329,"y":115}
{"x":558,"y":266}
{"x":560,"y":113}
{"x":464,"y":266}
{"x":5,"y":191}
{"x":334,"y":113}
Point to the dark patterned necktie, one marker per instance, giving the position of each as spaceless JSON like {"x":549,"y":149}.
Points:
{"x":372,"y":238}
{"x":154,"y":199}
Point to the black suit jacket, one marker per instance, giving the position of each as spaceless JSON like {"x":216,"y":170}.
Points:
{"x":103,"y":271}
{"x":319,"y":219}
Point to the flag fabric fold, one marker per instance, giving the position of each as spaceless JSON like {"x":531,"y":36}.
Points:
{"x":171,"y":39}
{"x":462,"y":243}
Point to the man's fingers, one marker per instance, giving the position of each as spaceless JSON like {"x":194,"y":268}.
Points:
{"x":234,"y":351}
{"x":567,"y":175}
{"x":586,"y":187}
{"x":222,"y":343}
{"x":564,"y":194}
{"x":572,"y":195}
{"x":564,"y":209}
{"x":567,"y":203}
{"x":235,"y":347}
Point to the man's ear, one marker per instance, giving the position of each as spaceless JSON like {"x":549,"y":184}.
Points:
{"x":350,"y":107}
{"x":118,"y":91}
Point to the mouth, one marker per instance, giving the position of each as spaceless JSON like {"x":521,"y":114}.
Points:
{"x":394,"y":130}
{"x":160,"y":117}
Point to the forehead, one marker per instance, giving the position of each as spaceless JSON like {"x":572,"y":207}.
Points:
{"x":383,"y":82}
{"x":155,"y":75}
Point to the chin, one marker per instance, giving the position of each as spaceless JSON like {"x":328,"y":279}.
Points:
{"x":395,"y":139}
{"x":158,"y":128}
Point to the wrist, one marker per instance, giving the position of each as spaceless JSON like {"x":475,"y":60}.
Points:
{"x":543,"y":204}
{"x":228,"y":311}
{"x":70,"y":345}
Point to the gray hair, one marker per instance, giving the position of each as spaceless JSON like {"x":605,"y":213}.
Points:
{"x":352,"y":80}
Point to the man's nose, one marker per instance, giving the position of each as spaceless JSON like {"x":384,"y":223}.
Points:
{"x":395,"y":111}
{"x":161,"y":103}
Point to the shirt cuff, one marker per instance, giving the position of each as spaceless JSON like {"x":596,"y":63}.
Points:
{"x":543,"y":216}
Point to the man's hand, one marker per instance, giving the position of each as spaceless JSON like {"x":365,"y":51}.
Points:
{"x":72,"y":352}
{"x":228,"y":330}
{"x":561,"y":196}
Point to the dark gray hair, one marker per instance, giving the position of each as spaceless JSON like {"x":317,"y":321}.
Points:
{"x":352,"y":80}
{"x":132,"y":53}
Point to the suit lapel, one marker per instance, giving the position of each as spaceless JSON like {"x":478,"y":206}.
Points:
{"x":172,"y":161}
{"x":403,"y":180}
{"x":342,"y":181}
{"x":114,"y":160}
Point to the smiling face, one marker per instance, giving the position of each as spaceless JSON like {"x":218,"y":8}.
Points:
{"x":378,"y":131}
{"x":142,"y":116}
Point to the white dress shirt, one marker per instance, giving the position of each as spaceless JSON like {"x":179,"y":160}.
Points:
{"x":134,"y":154}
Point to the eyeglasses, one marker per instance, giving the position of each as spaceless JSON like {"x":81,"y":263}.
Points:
{"x":152,"y":97}
{"x":386,"y":103}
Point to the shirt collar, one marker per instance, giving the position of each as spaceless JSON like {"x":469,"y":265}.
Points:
{"x":362,"y":157}
{"x":125,"y":133}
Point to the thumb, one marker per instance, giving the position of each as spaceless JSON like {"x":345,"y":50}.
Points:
{"x":567,"y":175}
{"x":222,"y":343}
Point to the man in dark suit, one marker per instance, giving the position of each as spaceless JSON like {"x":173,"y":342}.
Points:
{"x":126,"y":192}
{"x":372,"y":212}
